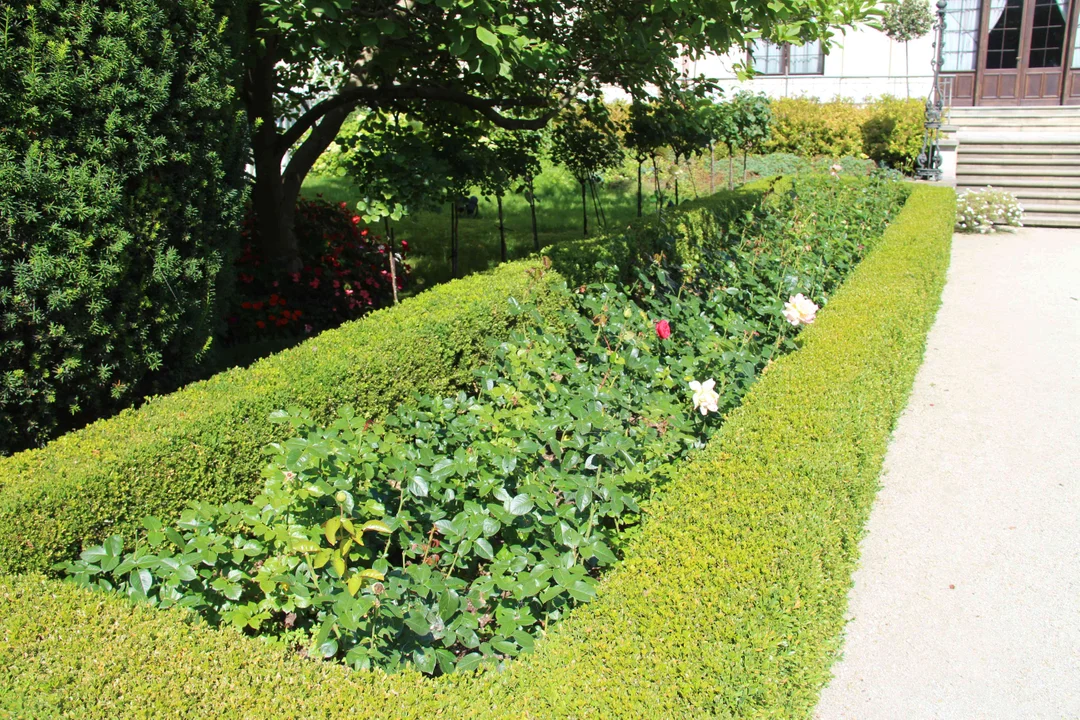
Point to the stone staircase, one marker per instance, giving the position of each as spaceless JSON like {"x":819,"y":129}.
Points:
{"x":1033,"y":152}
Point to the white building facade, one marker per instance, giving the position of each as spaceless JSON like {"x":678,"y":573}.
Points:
{"x":996,"y":52}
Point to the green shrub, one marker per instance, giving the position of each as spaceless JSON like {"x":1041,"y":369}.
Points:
{"x":893,"y":132}
{"x":729,"y":603}
{"x":203,"y":442}
{"x":121,"y":173}
{"x":810,"y":128}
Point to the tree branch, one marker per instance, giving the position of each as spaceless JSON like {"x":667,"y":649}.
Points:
{"x":349,"y":98}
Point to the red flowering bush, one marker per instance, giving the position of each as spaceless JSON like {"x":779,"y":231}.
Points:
{"x":345,"y":274}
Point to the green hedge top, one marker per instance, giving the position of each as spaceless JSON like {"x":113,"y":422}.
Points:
{"x":729,"y":603}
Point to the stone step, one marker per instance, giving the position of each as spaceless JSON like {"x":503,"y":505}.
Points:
{"x":963,"y":180}
{"x":1012,"y":137}
{"x":1020,"y":151}
{"x":1026,"y":127}
{"x":1052,"y":219}
{"x":1048,"y":162}
{"x":965,"y":168}
{"x":1053,"y":196}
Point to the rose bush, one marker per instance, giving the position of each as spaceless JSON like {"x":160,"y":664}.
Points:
{"x":345,"y":274}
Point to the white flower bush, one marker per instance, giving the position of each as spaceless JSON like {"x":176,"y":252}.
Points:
{"x":988,"y":210}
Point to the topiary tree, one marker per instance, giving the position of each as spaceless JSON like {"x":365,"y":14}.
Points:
{"x":122,"y":156}
{"x":752,"y":116}
{"x":646,"y":133}
{"x":586,"y":142}
{"x":904,"y":21}
{"x":508,"y":158}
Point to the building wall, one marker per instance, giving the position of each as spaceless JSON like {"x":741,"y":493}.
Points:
{"x":861,"y":64}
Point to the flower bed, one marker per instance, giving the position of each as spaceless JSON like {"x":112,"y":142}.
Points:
{"x":729,"y":600}
{"x":203,"y":442}
{"x":503,"y":505}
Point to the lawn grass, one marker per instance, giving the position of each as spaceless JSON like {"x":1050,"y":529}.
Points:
{"x":558,"y":212}
{"x":558,"y":216}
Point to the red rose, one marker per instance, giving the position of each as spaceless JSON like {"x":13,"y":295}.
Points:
{"x":663,"y":330}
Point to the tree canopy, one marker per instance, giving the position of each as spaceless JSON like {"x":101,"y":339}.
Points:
{"x":515,"y":64}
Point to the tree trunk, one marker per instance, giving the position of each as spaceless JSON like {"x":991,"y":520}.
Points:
{"x":274,"y":212}
{"x":532,"y":209}
{"x":584,"y":210}
{"x":275,"y":193}
{"x":907,"y":70}
{"x":712,"y":169}
{"x":598,"y":207}
{"x":390,"y":252}
{"x":656,"y":180}
{"x":730,"y":170}
{"x":453,"y":238}
{"x":502,"y":229}
{"x":744,"y":166}
{"x":639,"y":188}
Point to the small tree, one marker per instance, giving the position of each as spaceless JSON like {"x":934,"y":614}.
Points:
{"x":688,"y":135}
{"x":393,"y":162}
{"x":586,"y":142}
{"x":507,"y":158}
{"x":904,"y":21}
{"x":645,"y":134}
{"x":752,"y":116}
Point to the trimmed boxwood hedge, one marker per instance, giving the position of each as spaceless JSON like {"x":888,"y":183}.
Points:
{"x":204,"y":442}
{"x":729,"y":603}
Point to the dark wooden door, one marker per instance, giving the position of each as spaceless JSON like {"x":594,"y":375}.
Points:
{"x":1022,"y":61}
{"x":1001,"y":56}
{"x":1046,"y":51}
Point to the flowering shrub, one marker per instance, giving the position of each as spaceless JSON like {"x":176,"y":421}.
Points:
{"x":450,"y":533}
{"x":987,"y":210}
{"x":345,"y":274}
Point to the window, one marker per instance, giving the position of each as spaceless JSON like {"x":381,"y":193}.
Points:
{"x":1048,"y":33}
{"x":1003,"y":42}
{"x":960,"y":48}
{"x":768,"y":58}
{"x":1076,"y":49}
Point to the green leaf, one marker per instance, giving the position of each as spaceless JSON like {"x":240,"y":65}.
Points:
{"x":328,"y":648}
{"x":141,"y":581}
{"x":520,"y":505}
{"x":486,"y":36}
{"x":376,"y":526}
{"x":469,"y":662}
{"x":484,"y":549}
{"x":418,"y":486}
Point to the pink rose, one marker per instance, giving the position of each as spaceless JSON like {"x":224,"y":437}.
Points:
{"x":663,"y":330}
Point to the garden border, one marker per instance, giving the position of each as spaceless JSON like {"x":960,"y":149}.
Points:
{"x":730,"y":602}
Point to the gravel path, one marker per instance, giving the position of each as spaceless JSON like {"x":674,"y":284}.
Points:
{"x":967,"y":601}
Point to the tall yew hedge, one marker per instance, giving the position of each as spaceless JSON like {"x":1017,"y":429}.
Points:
{"x":121,"y":183}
